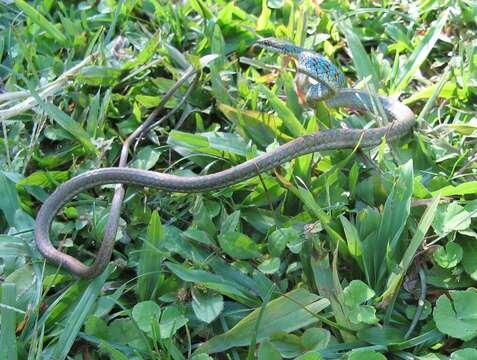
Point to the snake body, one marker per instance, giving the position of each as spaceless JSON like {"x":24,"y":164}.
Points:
{"x":402,"y":121}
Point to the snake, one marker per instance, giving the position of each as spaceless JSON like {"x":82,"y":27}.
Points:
{"x":317,"y":79}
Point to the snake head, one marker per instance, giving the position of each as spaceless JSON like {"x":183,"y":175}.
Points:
{"x":279,"y":46}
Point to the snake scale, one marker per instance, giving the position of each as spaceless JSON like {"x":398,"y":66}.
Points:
{"x":317,"y":79}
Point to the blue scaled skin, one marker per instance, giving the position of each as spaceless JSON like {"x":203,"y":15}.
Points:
{"x":317,"y":78}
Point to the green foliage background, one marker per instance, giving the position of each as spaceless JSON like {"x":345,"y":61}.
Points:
{"x":342,"y":254}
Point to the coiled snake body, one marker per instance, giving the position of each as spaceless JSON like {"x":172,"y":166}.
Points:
{"x":325,"y":82}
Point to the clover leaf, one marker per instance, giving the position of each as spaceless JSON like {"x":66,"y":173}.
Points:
{"x":457,"y":318}
{"x":449,"y":256}
{"x":464,"y":354}
{"x":356,"y":293}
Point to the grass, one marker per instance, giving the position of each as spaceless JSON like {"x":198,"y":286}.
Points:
{"x":336,"y":255}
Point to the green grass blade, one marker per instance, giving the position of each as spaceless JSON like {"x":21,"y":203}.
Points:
{"x":393,"y":220}
{"x":395,"y":279}
{"x":8,"y":342}
{"x":323,"y":279}
{"x":93,"y":113}
{"x":420,"y":53}
{"x":467,"y":188}
{"x":75,"y":320}
{"x":41,"y":21}
{"x":65,"y":121}
{"x":218,"y":85}
{"x":307,"y":198}
{"x":432,"y":99}
{"x":288,"y":117}
{"x":149,"y":269}
{"x":112,"y":26}
{"x":114,"y":353}
{"x":364,"y":67}
{"x":146,"y":53}
{"x":215,"y":282}
{"x":284,"y":314}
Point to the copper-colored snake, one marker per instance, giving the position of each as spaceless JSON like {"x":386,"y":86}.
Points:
{"x":326,"y":82}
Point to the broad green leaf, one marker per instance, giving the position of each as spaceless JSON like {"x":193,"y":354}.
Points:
{"x":452,"y":217}
{"x":270,"y":266}
{"x":449,"y":256}
{"x":211,"y":143}
{"x":41,"y":21}
{"x":207,"y":306}
{"x":381,"y":335}
{"x":426,"y":311}
{"x":445,"y":279}
{"x":292,"y":97}
{"x":287,"y":344}
{"x":44,"y":179}
{"x":365,"y":354}
{"x":315,"y":338}
{"x":261,"y":127}
{"x":469,"y":245}
{"x":113,"y":352}
{"x":279,"y":239}
{"x":310,"y":356}
{"x":238,"y":245}
{"x":8,"y":341}
{"x":464,"y":354}
{"x":268,"y":352}
{"x":287,"y":313}
{"x":457,"y":317}
{"x":464,"y":129}
{"x":230,"y":223}
{"x":469,"y":187}
{"x":201,"y":357}
{"x":324,"y":277}
{"x":171,"y":321}
{"x":363,"y":314}
{"x":199,"y":236}
{"x":126,"y":331}
{"x":145,"y":314}
{"x":146,"y":158}
{"x":356,"y":293}
{"x":95,"y":326}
